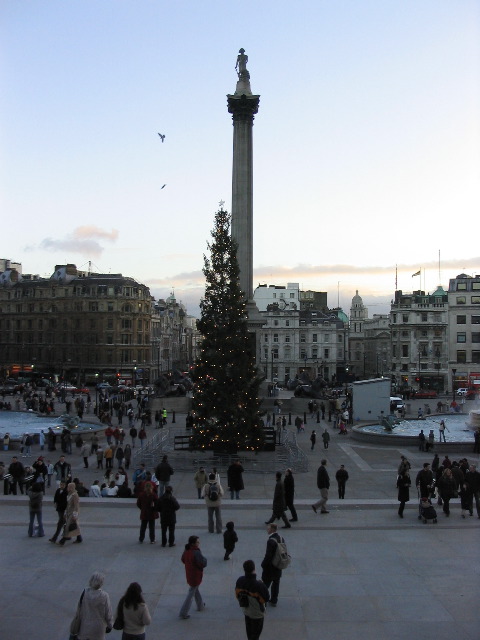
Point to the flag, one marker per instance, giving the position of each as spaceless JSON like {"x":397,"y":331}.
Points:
{"x":415,"y":274}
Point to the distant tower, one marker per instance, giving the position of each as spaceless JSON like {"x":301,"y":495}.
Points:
{"x":243,"y":106}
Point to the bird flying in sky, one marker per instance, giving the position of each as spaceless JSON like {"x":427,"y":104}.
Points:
{"x":163,"y":186}
{"x":162,"y":137}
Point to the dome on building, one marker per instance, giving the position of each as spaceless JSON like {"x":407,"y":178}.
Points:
{"x":439,"y":291}
{"x":357,"y":300}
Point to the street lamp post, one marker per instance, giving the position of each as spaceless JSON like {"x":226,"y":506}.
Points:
{"x":454,"y":373}
{"x":134,"y":376}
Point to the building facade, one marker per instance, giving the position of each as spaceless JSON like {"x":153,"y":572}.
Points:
{"x":86,"y":327}
{"x":419,"y":339}
{"x":464,"y":331}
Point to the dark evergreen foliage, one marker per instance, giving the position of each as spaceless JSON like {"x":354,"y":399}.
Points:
{"x":225,"y":399}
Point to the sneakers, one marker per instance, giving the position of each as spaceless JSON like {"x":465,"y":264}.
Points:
{"x":314,"y":508}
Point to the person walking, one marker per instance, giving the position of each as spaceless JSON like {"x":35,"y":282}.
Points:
{"x":63,"y":471}
{"x":147,"y":503}
{"x":168,"y":506}
{"x":163,"y":473}
{"x":35,"y":499}
{"x":85,"y":452}
{"x":212,"y":492}
{"x":235,"y":479}
{"x":323,"y":483}
{"x":403,"y":486}
{"x":472,"y":478}
{"x":313,"y":439}
{"x":133,"y":612}
{"x":341,"y":477}
{"x":60,"y":502}
{"x":200,"y":479}
{"x":72,"y":527}
{"x":17,"y":471}
{"x":279,"y":504}
{"x":326,"y":439}
{"x":195,"y":562}
{"x":230,"y":538}
{"x":252,"y":595}
{"x":271,"y":575}
{"x":96,"y":618}
{"x":289,"y":488}
{"x":441,"y":430}
{"x":447,"y":487}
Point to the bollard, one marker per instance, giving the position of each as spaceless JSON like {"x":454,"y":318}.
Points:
{"x":289,"y":419}
{"x":304,"y":417}
{"x":173,"y":417}
{"x":318,"y":417}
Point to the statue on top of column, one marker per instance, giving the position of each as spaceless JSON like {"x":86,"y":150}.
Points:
{"x":241,"y":66}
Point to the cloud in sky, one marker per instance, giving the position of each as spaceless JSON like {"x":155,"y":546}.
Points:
{"x":83,"y":240}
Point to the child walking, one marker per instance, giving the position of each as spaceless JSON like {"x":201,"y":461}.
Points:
{"x":229,"y":539}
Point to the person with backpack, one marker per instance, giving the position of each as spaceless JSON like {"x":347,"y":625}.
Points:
{"x":213,"y":492}
{"x":252,"y":596}
{"x":271,"y":574}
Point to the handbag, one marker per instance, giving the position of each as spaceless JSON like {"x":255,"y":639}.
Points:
{"x":77,"y":619}
{"x":119,"y":619}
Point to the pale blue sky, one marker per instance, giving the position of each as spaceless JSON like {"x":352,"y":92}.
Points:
{"x":366,"y":144}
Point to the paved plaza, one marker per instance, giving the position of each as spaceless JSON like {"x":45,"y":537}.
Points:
{"x":357,"y":572}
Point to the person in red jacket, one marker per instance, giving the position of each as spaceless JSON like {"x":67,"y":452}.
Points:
{"x":194,"y":562}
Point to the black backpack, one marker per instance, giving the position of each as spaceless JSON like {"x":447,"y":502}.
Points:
{"x":213,"y":492}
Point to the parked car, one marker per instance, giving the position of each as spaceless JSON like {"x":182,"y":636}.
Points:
{"x":396,"y":403}
{"x":104,"y":385}
{"x":425,"y":394}
{"x":462,"y":391}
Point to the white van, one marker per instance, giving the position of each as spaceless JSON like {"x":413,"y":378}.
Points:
{"x":398,"y":402}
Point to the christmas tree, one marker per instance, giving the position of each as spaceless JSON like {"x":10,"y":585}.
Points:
{"x":225,"y":398}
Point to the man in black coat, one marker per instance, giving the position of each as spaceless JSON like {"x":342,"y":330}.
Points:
{"x":270,"y":574}
{"x":163,"y":471}
{"x":424,"y":480}
{"x":168,"y":505}
{"x":17,"y":471}
{"x":257,"y":594}
{"x":289,"y":486}
{"x":235,"y":479}
{"x":323,"y":483}
{"x":279,"y":504}
{"x":341,"y":477}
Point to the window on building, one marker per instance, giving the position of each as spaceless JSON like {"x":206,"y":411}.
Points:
{"x":275,"y":337}
{"x":265,"y":354}
{"x":424,"y":317}
{"x":394,"y":350}
{"x":475,"y":336}
{"x":461,"y":357}
{"x":314,"y":337}
{"x":461,"y":319}
{"x":475,"y":319}
{"x":287,"y":353}
{"x":110,"y":323}
{"x":265,"y":337}
{"x":405,"y":317}
{"x":93,"y":323}
{"x":404,"y":350}
{"x":139,"y":338}
{"x":424,"y":350}
{"x":475,"y":286}
{"x":127,"y":308}
{"x":461,"y":286}
{"x":109,"y":306}
{"x":314,"y":352}
{"x":109,"y":339}
{"x":327,"y":338}
{"x":326,"y":353}
{"x":287,"y":323}
{"x":303,"y":354}
{"x":461,"y":300}
{"x":424,"y":365}
{"x":275,"y":353}
{"x":126,"y":323}
{"x":303,"y":337}
{"x":461,"y":336}
{"x":287,"y":337}
{"x":475,"y":299}
{"x":476,"y":357}
{"x":404,"y":334}
{"x":275,"y":323}
{"x":404,"y":367}
{"x":93,"y":306}
{"x":394,"y":318}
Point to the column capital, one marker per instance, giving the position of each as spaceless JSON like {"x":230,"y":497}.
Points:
{"x":243,"y":107}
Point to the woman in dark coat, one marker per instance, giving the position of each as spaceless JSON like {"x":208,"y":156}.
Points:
{"x":403,"y":486}
{"x":235,"y":479}
{"x":289,"y":486}
{"x":147,"y":503}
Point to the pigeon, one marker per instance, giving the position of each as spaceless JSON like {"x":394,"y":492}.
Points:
{"x":162,"y":137}
{"x":163,"y":187}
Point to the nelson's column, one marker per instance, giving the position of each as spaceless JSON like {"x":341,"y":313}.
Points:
{"x":243,"y":106}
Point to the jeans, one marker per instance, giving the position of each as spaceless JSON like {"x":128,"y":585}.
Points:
{"x":39,"y":522}
{"x":234,"y":493}
{"x":218,"y":519}
{"x":132,"y":636}
{"x":193,"y":592}
{"x":162,"y":485}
